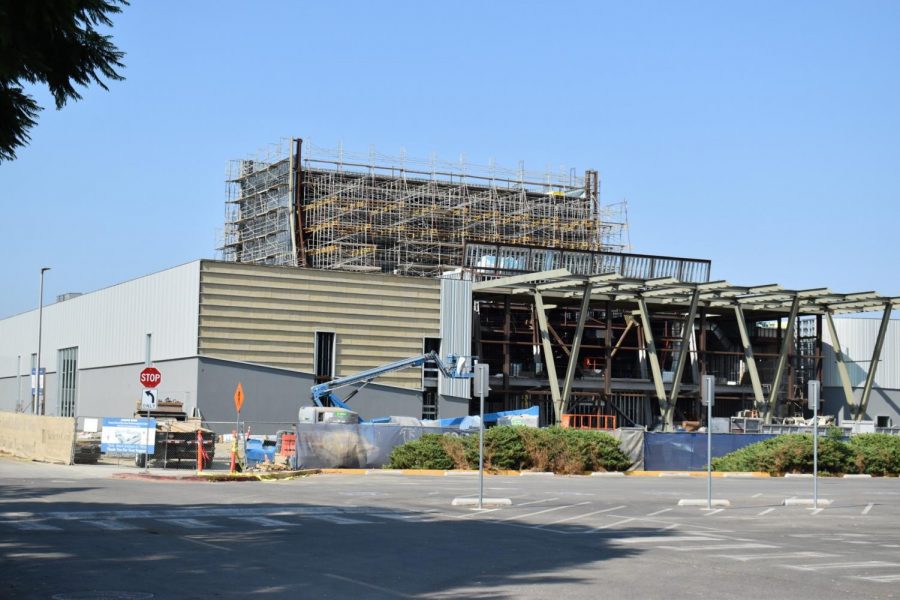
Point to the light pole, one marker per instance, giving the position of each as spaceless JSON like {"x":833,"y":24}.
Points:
{"x":37,"y":373}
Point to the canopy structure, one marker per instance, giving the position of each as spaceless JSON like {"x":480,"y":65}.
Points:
{"x":684,"y":301}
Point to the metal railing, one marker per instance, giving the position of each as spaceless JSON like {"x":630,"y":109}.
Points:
{"x":583,"y":421}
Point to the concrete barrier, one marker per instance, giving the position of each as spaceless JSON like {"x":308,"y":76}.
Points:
{"x":46,"y":439}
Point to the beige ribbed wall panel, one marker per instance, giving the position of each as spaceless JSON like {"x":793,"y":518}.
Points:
{"x":269,"y":315}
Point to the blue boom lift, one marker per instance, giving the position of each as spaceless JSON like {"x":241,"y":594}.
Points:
{"x":323,"y":393}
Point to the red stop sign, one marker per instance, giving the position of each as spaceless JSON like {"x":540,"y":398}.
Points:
{"x":150,"y":377}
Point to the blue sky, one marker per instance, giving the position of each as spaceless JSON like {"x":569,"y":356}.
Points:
{"x":764,"y":136}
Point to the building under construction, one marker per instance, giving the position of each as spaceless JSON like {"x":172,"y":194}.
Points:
{"x":300,"y":206}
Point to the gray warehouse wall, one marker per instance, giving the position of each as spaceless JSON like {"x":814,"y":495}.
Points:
{"x":882,"y":403}
{"x":115,"y":391}
{"x":273,"y":396}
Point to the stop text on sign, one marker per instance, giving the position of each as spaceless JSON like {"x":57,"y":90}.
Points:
{"x":150,"y":377}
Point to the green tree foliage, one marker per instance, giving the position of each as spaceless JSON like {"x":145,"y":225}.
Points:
{"x":53,"y":42}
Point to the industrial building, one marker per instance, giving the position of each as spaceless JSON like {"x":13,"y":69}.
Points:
{"x":334,"y":264}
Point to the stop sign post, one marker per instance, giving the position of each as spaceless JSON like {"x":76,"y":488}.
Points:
{"x":150,"y":377}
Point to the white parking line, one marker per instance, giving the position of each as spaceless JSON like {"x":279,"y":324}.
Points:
{"x":190,"y":523}
{"x":712,"y":512}
{"x":718,"y":547}
{"x":265,"y":521}
{"x":596,"y":512}
{"x":868,"y":507}
{"x":868,"y":564}
{"x":537,"y":501}
{"x":608,"y":526}
{"x":816,"y":511}
{"x":756,"y":495}
{"x":778,"y":556}
{"x":32,"y":526}
{"x":640,"y":539}
{"x":659,"y":512}
{"x":546,"y":510}
{"x":765,"y":512}
{"x":340,"y":520}
{"x":880,"y":578}
{"x":111,"y":525}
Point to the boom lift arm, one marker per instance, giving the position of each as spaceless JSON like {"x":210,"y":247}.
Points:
{"x":458,"y":369}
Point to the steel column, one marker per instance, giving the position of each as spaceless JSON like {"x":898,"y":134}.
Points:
{"x":576,"y":344}
{"x":873,"y":364}
{"x":782,"y":359}
{"x":548,"y":357}
{"x":843,"y":375}
{"x":664,"y":408}
{"x":685,"y":346}
{"x":749,"y":361}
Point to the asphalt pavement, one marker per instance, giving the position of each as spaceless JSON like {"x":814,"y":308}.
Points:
{"x":79,"y":532}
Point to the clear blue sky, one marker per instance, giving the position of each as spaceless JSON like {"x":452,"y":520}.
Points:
{"x":764,"y":136}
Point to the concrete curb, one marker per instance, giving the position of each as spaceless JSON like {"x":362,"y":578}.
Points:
{"x":805,"y":502}
{"x":484,"y":502}
{"x":537,"y":474}
{"x":798,"y":475}
{"x":218,"y":477}
{"x":701,"y":502}
{"x":737,"y":474}
{"x":856,"y":476}
{"x":607,"y":474}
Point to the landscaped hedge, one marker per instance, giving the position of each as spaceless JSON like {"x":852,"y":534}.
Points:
{"x":873,"y":453}
{"x":515,"y":448}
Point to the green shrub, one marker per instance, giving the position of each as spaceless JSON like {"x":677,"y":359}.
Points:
{"x":565,"y":451}
{"x":875,"y":453}
{"x":427,"y":452}
{"x":788,"y":454}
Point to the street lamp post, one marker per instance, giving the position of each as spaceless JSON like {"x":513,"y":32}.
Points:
{"x":39,"y":392}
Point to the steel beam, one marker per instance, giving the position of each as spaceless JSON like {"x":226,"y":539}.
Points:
{"x":786,"y":343}
{"x":548,"y":357}
{"x":664,"y":408}
{"x":758,"y":399}
{"x":843,"y":375}
{"x":684,"y":349}
{"x":576,"y":345}
{"x":873,"y":364}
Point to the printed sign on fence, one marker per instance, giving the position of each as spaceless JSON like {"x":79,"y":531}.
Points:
{"x":128,"y":436}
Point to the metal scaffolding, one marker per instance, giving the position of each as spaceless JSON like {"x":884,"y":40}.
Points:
{"x":332,"y":210}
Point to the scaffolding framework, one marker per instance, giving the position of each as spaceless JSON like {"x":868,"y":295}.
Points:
{"x":331,"y":210}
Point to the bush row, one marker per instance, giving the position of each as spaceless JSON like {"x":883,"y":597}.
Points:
{"x":870,"y":453}
{"x":515,"y":448}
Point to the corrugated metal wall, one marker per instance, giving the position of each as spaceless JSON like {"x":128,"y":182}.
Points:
{"x":857,"y":337}
{"x":456,"y":330}
{"x":109,"y":326}
{"x":269,"y":316}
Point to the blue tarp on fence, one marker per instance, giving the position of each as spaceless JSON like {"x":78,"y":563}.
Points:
{"x":687,"y":451}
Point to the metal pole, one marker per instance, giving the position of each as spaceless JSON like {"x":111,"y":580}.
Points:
{"x":709,"y":456}
{"x":813,"y":393}
{"x":816,"y":454}
{"x":707,"y":396}
{"x":481,"y":448}
{"x":38,"y":388}
{"x":148,"y":353}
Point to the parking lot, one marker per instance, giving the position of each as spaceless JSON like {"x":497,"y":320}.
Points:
{"x":66,"y":531}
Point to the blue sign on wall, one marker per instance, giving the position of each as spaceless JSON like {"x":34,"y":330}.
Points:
{"x":128,"y":436}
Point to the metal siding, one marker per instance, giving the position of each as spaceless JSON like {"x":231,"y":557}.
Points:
{"x":456,"y":331}
{"x":109,"y":326}
{"x":269,"y":315}
{"x":857,"y":337}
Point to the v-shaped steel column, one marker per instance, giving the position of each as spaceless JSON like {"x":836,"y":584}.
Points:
{"x":548,"y":357}
{"x":685,"y":350}
{"x":749,"y":361}
{"x":843,"y":375}
{"x":873,"y":364}
{"x":786,"y":343}
{"x":576,"y":346}
{"x":665,"y":410}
